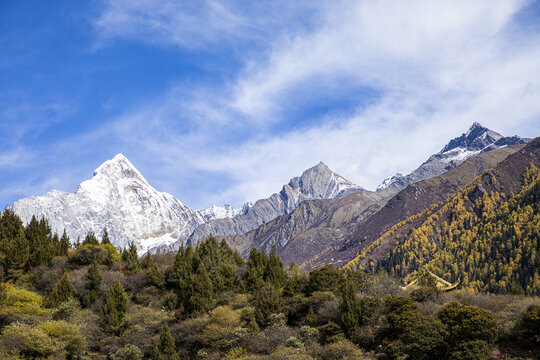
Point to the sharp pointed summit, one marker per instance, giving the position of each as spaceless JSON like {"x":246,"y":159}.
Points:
{"x":476,"y":140}
{"x":119,"y":198}
{"x":317,"y":182}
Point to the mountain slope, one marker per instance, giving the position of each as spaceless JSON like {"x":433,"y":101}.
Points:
{"x":484,"y":237}
{"x":476,"y":140}
{"x":318,"y":182}
{"x":331,"y":231}
{"x":120,"y":199}
{"x":310,"y":228}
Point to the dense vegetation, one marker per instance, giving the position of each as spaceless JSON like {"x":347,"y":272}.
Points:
{"x":205,"y":302}
{"x":488,"y":241}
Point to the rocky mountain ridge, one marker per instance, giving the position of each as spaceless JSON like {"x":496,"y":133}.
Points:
{"x":476,"y":140}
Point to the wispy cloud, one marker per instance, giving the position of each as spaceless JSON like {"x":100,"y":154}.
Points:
{"x":434,"y":67}
{"x":437,"y":67}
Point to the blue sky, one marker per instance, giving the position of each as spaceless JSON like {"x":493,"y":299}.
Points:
{"x":224,"y":101}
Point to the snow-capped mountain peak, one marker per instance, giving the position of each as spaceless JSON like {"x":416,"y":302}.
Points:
{"x":476,"y":140}
{"x":120,"y":199}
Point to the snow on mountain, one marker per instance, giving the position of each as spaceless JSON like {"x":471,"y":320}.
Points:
{"x":476,"y":140}
{"x":120,"y":199}
{"x":317,"y":182}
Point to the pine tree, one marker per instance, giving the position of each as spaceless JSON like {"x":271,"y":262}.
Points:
{"x":201,"y":290}
{"x":256,"y":265}
{"x":61,"y":292}
{"x":93,"y":280}
{"x":266,"y":301}
{"x":154,"y":277}
{"x":65,"y":244}
{"x":132,"y":258}
{"x":147,"y":261}
{"x":113,"y":313}
{"x":105,"y":238}
{"x":90,"y":239}
{"x":93,"y":277}
{"x":274,"y":272}
{"x":349,"y":309}
{"x":166,"y":349}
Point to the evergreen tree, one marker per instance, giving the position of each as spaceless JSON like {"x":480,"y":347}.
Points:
{"x":275,"y":273}
{"x":90,"y":239}
{"x":165,"y":349}
{"x":201,"y":290}
{"x":113,"y":313}
{"x":132,"y":258}
{"x":256,"y":266}
{"x":93,"y":280}
{"x":349,"y":309}
{"x":154,"y":277}
{"x":93,"y":277}
{"x":105,"y":238}
{"x":65,"y":244}
{"x":147,"y":261}
{"x":61,"y":292}
{"x":266,"y":301}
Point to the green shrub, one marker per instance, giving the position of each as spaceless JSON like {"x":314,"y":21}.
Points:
{"x":66,"y":334}
{"x":472,"y":350}
{"x":128,"y":352}
{"x":24,"y":301}
{"x":27,"y":341}
{"x":530,"y":323}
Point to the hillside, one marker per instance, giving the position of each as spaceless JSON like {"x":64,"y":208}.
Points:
{"x":206,"y":303}
{"x":332,"y":231}
{"x":486,"y":236}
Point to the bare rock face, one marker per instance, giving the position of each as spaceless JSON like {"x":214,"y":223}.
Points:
{"x":120,"y":199}
{"x":318,"y":182}
{"x":476,"y":140}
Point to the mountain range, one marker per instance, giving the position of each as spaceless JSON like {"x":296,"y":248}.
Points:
{"x":317,"y":218}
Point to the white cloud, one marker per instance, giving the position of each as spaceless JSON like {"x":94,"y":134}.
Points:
{"x":437,"y":66}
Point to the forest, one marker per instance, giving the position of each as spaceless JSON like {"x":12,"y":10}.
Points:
{"x":91,"y":300}
{"x":488,"y":241}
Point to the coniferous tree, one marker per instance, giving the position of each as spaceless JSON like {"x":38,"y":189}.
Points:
{"x":275,"y":273}
{"x":165,"y":349}
{"x":349,"y":309}
{"x":154,"y":277}
{"x":147,"y":261}
{"x":105,"y":238}
{"x":93,"y":281}
{"x":132,"y":258}
{"x":61,"y":292}
{"x":266,"y":301}
{"x":90,"y":239}
{"x":65,"y":244}
{"x":256,"y":266}
{"x":113,"y":313}
{"x":201,"y":290}
{"x":93,"y":277}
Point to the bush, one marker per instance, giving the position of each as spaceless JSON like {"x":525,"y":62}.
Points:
{"x":27,"y":341}
{"x":23,"y":301}
{"x":66,"y":310}
{"x":66,"y":334}
{"x":530,"y":323}
{"x":88,"y":253}
{"x":326,"y":279}
{"x":465,"y":323}
{"x":472,"y":350}
{"x":128,"y":352}
{"x":344,"y":350}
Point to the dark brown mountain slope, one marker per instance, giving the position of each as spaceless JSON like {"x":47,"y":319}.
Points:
{"x":505,"y":178}
{"x":319,"y":232}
